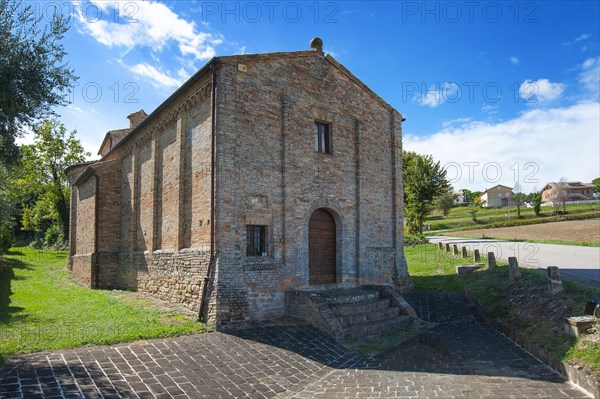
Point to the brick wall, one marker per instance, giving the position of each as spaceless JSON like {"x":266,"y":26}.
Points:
{"x":268,"y":170}
{"x":155,"y":215}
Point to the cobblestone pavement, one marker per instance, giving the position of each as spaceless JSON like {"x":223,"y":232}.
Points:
{"x":460,"y":356}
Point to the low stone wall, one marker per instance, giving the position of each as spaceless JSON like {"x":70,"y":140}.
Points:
{"x":174,"y":277}
{"x":82,"y":267}
{"x":171,"y":276}
{"x":311,"y":308}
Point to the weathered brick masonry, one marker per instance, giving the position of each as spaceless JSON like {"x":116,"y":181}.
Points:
{"x":142,"y":215}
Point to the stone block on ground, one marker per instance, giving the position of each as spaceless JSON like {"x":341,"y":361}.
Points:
{"x":513,"y":268}
{"x":455,"y":249}
{"x":491,"y":260}
{"x":476,"y":256}
{"x":555,"y":284}
{"x":464,"y":252}
{"x":578,"y":325}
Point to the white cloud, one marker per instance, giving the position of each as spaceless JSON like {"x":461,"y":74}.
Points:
{"x":540,"y":91}
{"x":158,"y":79}
{"x":541,"y":144}
{"x":589,"y":76}
{"x":436,"y":95}
{"x":456,"y":121}
{"x":579,"y":38}
{"x":146,"y":24}
{"x":514,"y":60}
{"x":491,"y":109}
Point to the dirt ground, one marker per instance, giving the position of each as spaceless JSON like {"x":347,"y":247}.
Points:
{"x":587,"y":230}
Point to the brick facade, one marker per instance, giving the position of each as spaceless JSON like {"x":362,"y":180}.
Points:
{"x":151,"y":193}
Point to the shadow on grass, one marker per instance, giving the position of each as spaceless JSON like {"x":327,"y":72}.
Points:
{"x":7,"y":275}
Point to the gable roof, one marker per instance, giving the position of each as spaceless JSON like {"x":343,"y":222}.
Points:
{"x":568,"y":185}
{"x":212,"y":63}
{"x":113,"y":136}
{"x":496,"y":186}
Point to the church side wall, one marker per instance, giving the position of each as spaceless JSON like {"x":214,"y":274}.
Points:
{"x":82,"y":259}
{"x":164,"y":227}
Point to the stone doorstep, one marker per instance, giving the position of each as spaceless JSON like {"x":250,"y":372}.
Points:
{"x":468,"y":268}
{"x":578,"y":325}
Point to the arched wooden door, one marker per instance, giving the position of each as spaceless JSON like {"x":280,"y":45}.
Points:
{"x":321,"y":248}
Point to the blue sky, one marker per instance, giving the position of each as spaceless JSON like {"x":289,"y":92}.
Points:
{"x":498,"y":92}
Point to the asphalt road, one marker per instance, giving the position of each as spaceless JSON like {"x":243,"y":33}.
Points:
{"x":576,"y":263}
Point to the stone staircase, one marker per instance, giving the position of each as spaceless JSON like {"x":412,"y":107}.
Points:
{"x":353,"y":314}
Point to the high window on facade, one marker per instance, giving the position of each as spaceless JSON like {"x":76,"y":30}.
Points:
{"x":322,"y":138}
{"x":256,"y":240}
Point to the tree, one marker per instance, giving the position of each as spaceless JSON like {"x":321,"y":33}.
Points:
{"x":424,"y":180}
{"x":559,"y":194}
{"x":475,"y":197}
{"x":536,"y":201}
{"x":519,"y":198}
{"x":467,"y":195}
{"x":445,"y":202}
{"x":34,"y":78}
{"x":42,"y":165}
{"x":596,"y":182}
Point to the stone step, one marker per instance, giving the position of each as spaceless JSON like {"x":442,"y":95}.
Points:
{"x":349,"y":296}
{"x":361,"y":307}
{"x":369,"y":317}
{"x":355,"y":332}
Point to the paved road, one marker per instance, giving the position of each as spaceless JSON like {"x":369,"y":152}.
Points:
{"x":460,"y":356}
{"x":577,"y":263}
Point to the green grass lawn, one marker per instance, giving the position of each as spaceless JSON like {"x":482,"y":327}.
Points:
{"x":41,"y":309}
{"x":526,"y":304}
{"x":459,"y":217}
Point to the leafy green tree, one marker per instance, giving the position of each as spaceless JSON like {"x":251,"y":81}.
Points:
{"x":519,"y":198}
{"x":467,"y":195}
{"x":42,"y":166}
{"x":596,"y":182}
{"x":475,"y":198}
{"x":34,"y":76}
{"x":536,"y":201}
{"x":445,"y":202}
{"x":424,"y":180}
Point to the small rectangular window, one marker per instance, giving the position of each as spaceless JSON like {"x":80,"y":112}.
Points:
{"x":322,"y":138}
{"x":256,"y":240}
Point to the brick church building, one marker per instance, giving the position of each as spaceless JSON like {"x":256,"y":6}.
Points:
{"x":263,"y":175}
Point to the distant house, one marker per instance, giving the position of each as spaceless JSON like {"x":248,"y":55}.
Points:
{"x":458,"y":197}
{"x":497,"y":196}
{"x":567,"y":191}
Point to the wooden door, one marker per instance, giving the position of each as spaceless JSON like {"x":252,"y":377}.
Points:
{"x":321,"y":248}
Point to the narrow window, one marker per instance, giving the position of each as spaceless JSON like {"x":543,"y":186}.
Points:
{"x":255,"y":240}
{"x":322,"y":139}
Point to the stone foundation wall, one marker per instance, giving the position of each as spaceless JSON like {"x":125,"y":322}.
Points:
{"x":82,"y":267}
{"x":174,"y":277}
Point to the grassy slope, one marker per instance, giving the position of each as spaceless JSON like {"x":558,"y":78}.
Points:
{"x":459,"y":217}
{"x":525,"y":304}
{"x":41,"y":309}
